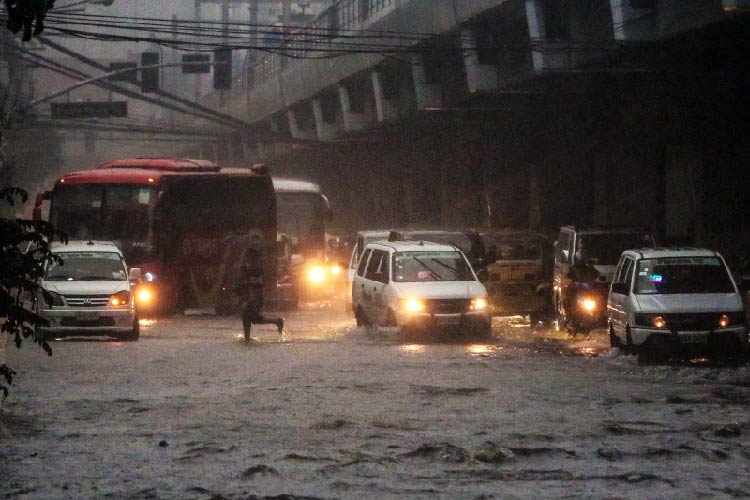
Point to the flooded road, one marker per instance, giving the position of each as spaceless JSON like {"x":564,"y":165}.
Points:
{"x":329,"y":410}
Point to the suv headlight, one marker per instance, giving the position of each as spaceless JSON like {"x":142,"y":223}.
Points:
{"x":413,"y":305}
{"x":650,"y":320}
{"x":731,"y":319}
{"x":478,"y":304}
{"x":120,"y":299}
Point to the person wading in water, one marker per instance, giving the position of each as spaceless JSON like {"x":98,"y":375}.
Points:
{"x":250,"y":289}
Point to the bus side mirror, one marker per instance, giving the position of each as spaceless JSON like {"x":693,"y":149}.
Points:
{"x":36,"y":213}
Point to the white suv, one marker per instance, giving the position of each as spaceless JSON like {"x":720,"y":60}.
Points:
{"x":417,"y":285}
{"x":665,"y":300}
{"x":91,"y":292}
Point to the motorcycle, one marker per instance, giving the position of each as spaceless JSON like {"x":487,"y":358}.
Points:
{"x":585,"y":307}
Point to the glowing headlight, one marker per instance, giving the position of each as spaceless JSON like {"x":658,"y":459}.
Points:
{"x":144,"y":296}
{"x":588,"y":305}
{"x":659,"y":322}
{"x":149,"y":277}
{"x":413,"y":305}
{"x":316,"y":274}
{"x":724,"y":321}
{"x":119,"y":299}
{"x":336,"y":269}
{"x":479,"y":304}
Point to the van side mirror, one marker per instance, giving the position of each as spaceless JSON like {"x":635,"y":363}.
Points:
{"x":134,"y":275}
{"x":621,"y":288}
{"x":744,"y":286}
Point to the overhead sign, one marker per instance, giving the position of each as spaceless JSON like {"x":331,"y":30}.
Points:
{"x":196,"y":63}
{"x":105,"y":109}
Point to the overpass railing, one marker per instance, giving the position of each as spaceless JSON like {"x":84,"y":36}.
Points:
{"x":325,"y":35}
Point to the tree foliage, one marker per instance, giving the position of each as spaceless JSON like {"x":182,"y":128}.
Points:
{"x":24,"y":251}
{"x":27,"y":16}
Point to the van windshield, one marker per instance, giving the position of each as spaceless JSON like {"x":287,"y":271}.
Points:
{"x":87,"y":266}
{"x":677,"y":275}
{"x":430,"y":266}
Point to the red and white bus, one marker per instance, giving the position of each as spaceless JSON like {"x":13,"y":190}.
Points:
{"x":186,"y":223}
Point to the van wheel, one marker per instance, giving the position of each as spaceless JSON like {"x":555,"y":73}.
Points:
{"x":361,"y":317}
{"x":614,"y":340}
{"x":390,"y":319}
{"x":133,"y":335}
{"x":629,"y":347}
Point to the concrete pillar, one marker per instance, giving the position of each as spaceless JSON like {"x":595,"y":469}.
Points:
{"x":428,"y":95}
{"x":630,"y":23}
{"x":386,"y":109}
{"x":215,"y":151}
{"x":479,"y":77}
{"x":325,"y":131}
{"x":352,"y":121}
{"x":601,"y":193}
{"x":537,"y":31}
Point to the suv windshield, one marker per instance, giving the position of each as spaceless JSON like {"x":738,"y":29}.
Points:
{"x":606,"y":248}
{"x":430,"y":266}
{"x":682,"y":275}
{"x":87,"y":266}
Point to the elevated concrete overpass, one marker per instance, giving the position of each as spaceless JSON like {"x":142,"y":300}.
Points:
{"x":509,"y":112}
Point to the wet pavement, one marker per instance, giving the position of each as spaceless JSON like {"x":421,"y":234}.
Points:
{"x":329,"y":410}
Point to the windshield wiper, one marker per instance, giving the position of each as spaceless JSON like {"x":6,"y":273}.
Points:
{"x":435,"y":276}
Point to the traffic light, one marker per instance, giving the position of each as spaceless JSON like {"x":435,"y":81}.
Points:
{"x":150,"y":76}
{"x":222,"y":69}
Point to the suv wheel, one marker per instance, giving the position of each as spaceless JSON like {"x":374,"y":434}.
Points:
{"x":133,"y":335}
{"x":361,"y":318}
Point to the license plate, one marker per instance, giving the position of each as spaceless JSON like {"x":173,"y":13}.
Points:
{"x":694,"y":338}
{"x":448,"y":320}
{"x":87,"y":316}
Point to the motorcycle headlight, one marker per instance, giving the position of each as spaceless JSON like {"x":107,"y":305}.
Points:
{"x":120,"y":299}
{"x":587,"y":304}
{"x":413,"y":305}
{"x":478,"y":304}
{"x":144,"y":295}
{"x":316,"y":274}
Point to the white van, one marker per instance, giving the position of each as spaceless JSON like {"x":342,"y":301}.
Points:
{"x":417,"y":285}
{"x":679,"y":298}
{"x":91,"y":292}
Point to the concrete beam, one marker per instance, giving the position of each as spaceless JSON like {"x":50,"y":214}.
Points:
{"x":479,"y":77}
{"x":295,"y":130}
{"x":429,"y":95}
{"x":352,"y":120}
{"x":325,"y":131}
{"x":386,"y":109}
{"x":630,"y":23}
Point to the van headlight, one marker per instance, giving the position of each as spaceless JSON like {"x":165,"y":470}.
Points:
{"x":413,"y":305}
{"x":120,"y":299}
{"x":731,"y":319}
{"x":650,"y":320}
{"x":478,"y":304}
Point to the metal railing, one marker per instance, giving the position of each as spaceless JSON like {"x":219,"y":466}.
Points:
{"x":321,"y":34}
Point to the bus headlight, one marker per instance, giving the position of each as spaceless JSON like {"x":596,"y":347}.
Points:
{"x":413,"y":305}
{"x":478,"y":304}
{"x":316,"y":274}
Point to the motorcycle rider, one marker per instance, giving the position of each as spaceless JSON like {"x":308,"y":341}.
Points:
{"x":581,"y":275}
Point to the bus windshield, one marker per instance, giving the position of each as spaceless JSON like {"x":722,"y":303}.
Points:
{"x":301,"y":215}
{"x":122,"y":213}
